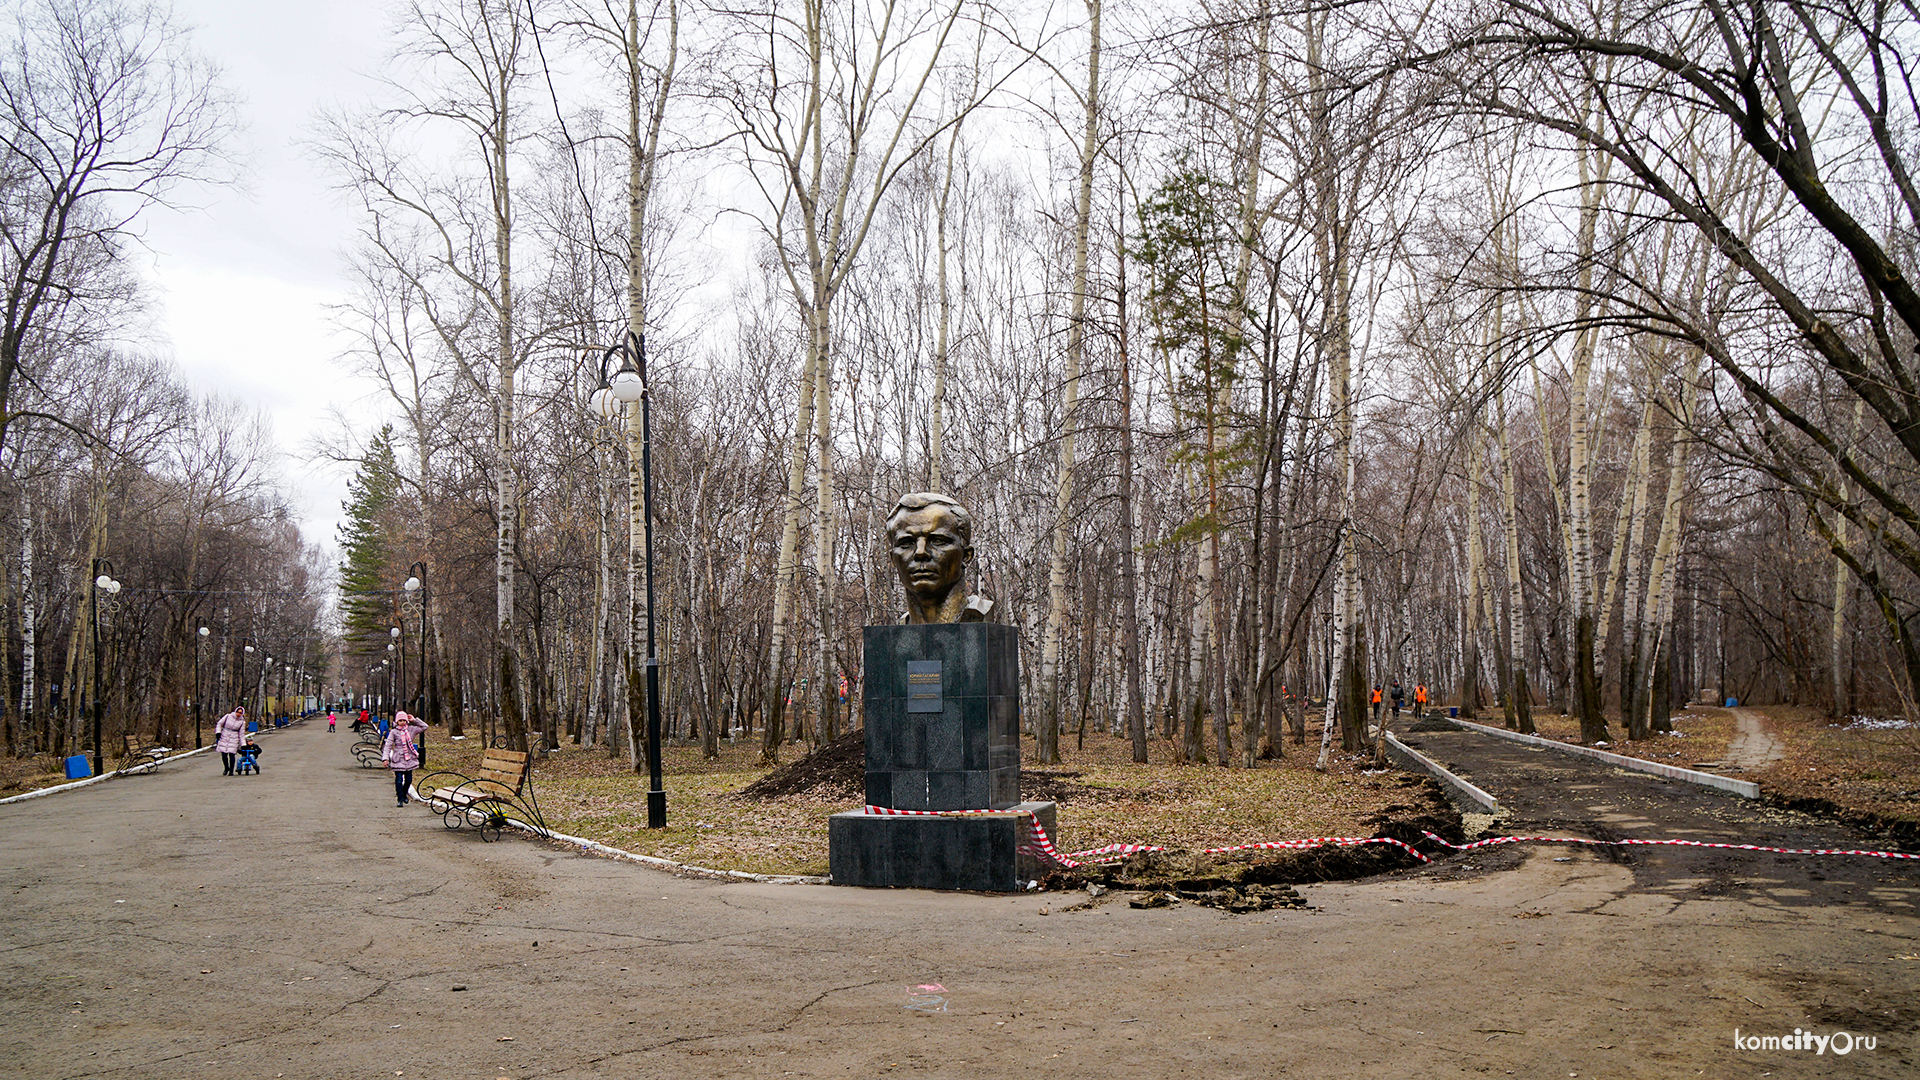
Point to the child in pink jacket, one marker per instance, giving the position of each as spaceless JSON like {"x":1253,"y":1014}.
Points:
{"x":401,"y":754}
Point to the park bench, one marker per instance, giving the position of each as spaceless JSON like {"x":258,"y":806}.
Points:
{"x":367,"y":749}
{"x":501,"y":791}
{"x":135,"y":758}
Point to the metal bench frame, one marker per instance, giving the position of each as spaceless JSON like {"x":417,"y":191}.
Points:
{"x":367,"y":750}
{"x":135,"y":758}
{"x":500,"y":792}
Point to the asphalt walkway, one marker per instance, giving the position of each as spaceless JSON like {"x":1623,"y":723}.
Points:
{"x":297,"y":924}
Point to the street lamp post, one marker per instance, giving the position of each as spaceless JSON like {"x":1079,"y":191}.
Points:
{"x":400,"y":672}
{"x":199,"y":647}
{"x":626,"y":386}
{"x":103,"y":582}
{"x":417,"y":582}
{"x":240,"y":689}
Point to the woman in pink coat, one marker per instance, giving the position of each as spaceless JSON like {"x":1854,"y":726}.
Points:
{"x":400,"y":753}
{"x":228,"y":732}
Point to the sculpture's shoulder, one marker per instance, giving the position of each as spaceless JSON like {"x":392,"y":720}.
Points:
{"x":976,"y":609}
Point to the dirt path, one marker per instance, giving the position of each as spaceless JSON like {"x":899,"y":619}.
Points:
{"x":296,"y":924}
{"x":1751,"y":746}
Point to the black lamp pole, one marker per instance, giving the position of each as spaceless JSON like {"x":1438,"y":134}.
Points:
{"x":102,"y":582}
{"x":399,"y":634}
{"x":417,"y":578}
{"x":633,"y":361}
{"x":656,"y":795}
{"x":199,"y":646}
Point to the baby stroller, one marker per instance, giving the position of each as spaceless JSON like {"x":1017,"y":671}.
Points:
{"x":249,"y":761}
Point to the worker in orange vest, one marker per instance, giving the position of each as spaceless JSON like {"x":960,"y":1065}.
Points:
{"x":1419,"y":699}
{"x":1376,"y":701}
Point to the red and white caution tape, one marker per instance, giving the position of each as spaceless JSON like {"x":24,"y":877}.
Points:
{"x":1039,"y":845}
{"x":1671,"y":843}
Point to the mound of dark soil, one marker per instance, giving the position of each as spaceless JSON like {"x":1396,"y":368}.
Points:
{"x":1900,"y":832}
{"x":1060,"y":786}
{"x":838,"y":768}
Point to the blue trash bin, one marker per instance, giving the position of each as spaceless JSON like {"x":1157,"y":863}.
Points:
{"x":1733,"y":703}
{"x":253,"y":725}
{"x":78,"y":767}
{"x":1453,"y":712}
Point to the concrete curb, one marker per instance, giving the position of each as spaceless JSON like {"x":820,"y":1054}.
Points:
{"x":25,"y":795}
{"x":1746,"y":789}
{"x":597,"y":848}
{"x":611,"y":852}
{"x":1463,"y":794}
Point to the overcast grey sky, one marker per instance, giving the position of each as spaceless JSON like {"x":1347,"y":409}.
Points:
{"x":244,"y":281}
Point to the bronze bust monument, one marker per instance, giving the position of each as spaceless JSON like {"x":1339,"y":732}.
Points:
{"x":930,"y":539}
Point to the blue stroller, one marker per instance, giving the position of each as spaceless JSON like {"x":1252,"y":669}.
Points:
{"x":249,"y":761}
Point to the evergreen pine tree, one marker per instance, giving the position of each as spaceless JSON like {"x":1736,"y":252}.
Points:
{"x":365,"y":542}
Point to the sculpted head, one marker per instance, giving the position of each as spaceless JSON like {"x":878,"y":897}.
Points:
{"x":930,"y":539}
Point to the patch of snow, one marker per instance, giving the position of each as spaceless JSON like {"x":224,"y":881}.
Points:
{"x":1874,"y":723}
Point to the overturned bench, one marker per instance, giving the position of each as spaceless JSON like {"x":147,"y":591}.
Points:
{"x":501,"y":791}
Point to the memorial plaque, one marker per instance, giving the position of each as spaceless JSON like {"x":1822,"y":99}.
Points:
{"x":923,"y":686}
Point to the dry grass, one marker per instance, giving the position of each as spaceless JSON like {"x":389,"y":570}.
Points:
{"x":1106,"y":799}
{"x":1857,"y":771}
{"x":21,"y":775}
{"x":1700,"y":735}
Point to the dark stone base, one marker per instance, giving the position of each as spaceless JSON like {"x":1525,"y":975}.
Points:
{"x":970,"y":853}
{"x":956,"y":746}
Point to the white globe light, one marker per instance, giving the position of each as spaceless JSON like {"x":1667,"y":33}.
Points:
{"x":627,"y":386}
{"x":113,"y":587}
{"x":103,"y":581}
{"x":603,"y":404}
{"x":249,"y":648}
{"x":413,"y":584}
{"x":204,"y":631}
{"x":393,"y":631}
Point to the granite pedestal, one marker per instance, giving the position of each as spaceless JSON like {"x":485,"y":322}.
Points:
{"x":973,"y":852}
{"x":942,"y":709}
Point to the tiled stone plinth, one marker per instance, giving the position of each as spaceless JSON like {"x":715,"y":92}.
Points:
{"x":971,"y":852}
{"x":942,"y":709}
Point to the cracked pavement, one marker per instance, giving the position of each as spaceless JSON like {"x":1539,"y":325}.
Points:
{"x":296,"y":924}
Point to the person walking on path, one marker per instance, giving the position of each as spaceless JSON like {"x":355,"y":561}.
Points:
{"x":400,"y":754}
{"x":1399,"y":697}
{"x":1376,"y":701}
{"x":228,"y":732}
{"x":1419,"y":700}
{"x":329,"y":723}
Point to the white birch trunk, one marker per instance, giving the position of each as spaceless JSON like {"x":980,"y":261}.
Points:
{"x":1476,"y":568}
{"x":1518,"y":693}
{"x":1660,"y":573}
{"x":1635,"y":487}
{"x":1047,"y":741}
